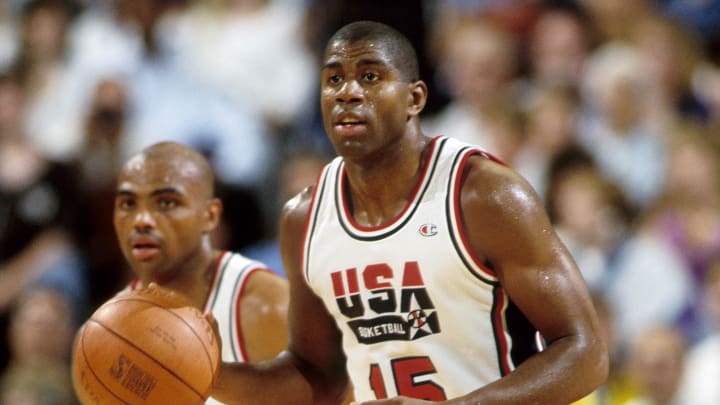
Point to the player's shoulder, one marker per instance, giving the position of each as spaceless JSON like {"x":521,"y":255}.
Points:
{"x":295,"y":209}
{"x":259,"y":276}
{"x":266,"y":287}
{"x":489,"y":181}
{"x":485,"y":168}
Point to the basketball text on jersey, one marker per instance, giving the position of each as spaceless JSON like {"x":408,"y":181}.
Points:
{"x":385,"y":313}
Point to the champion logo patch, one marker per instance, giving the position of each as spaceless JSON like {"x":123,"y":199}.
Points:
{"x":428,"y":230}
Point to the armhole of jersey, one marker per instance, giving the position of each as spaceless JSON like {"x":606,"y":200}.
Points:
{"x":457,"y":233}
{"x":311,"y":218}
{"x":221,"y":262}
{"x":225,"y":273}
{"x":239,"y":290}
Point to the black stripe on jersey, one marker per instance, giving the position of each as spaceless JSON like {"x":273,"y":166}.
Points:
{"x":412,"y":208}
{"x":449,"y":216}
{"x":520,"y":342}
{"x":496,"y":319}
{"x":522,"y":334}
{"x":315,"y":203}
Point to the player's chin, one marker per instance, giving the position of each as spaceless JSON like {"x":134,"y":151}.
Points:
{"x":148,"y":270}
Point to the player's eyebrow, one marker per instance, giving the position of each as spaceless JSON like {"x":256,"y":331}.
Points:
{"x":362,"y":62}
{"x":331,"y":65}
{"x":166,"y":190}
{"x":366,"y":62}
{"x":124,"y":192}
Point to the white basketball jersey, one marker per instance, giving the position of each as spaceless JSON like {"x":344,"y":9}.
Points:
{"x":420,"y":316}
{"x":223,"y":301}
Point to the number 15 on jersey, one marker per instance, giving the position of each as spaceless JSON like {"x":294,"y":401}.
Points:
{"x":408,"y":376}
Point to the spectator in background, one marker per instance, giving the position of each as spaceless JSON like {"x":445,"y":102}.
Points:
{"x":37,"y":203}
{"x":617,"y":252}
{"x":558,"y":45}
{"x":478,"y":66}
{"x":8,"y":34}
{"x":42,"y":67}
{"x":702,"y":17}
{"x":130,"y":42}
{"x":589,"y":213}
{"x":706,"y":85}
{"x":299,"y":170}
{"x":656,"y":366}
{"x":700,"y":386}
{"x":687,"y":215}
{"x":551,"y":116}
{"x":97,"y":168}
{"x":41,"y":329}
{"x":224,"y":43}
{"x":646,"y":263}
{"x":614,"y":19}
{"x":671,"y":56}
{"x":615,"y":126}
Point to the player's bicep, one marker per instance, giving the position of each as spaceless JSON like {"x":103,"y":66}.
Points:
{"x":509,"y":228}
{"x":264,"y":311}
{"x":550,"y":292}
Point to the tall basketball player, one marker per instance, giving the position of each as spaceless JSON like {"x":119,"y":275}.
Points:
{"x":165,"y":212}
{"x":421,"y":269}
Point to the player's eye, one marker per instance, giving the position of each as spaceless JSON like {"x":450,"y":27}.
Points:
{"x":125,"y":204}
{"x":167,"y":203}
{"x":370,"y":76}
{"x":334,"y":79}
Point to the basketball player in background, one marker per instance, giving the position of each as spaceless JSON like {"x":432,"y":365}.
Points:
{"x":165,"y":212}
{"x":422,"y":268}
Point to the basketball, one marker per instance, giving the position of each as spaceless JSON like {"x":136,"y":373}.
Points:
{"x":145,"y":347}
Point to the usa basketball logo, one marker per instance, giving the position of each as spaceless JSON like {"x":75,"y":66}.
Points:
{"x":428,"y":230}
{"x":418,"y":322}
{"x":417,"y":318}
{"x":378,"y":309}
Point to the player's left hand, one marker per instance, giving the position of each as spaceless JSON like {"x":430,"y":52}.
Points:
{"x":395,"y":401}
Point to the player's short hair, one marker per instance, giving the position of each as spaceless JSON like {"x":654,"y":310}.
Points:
{"x":400,"y":48}
{"x":168,"y":150}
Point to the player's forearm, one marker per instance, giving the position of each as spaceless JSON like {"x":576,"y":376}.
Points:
{"x":566,"y":371}
{"x":275,"y":381}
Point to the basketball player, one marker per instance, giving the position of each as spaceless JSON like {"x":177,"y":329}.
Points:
{"x":422,"y":268}
{"x":165,"y":211}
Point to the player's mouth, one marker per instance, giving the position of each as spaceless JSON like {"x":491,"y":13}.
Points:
{"x":144,"y":249}
{"x":349,"y":125}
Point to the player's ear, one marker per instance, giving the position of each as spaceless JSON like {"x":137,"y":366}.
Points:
{"x":213,"y":211}
{"x":417,"y":97}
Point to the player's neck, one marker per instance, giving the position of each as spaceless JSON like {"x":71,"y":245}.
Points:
{"x":195,"y":279}
{"x":377,"y":193}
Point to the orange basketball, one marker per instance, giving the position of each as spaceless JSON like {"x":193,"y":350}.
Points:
{"x":145,"y":347}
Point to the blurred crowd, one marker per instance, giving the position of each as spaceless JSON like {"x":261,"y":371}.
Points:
{"x":609,"y":108}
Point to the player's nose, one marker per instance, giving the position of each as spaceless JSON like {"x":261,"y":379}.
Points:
{"x":350,"y":91}
{"x":143,"y":220}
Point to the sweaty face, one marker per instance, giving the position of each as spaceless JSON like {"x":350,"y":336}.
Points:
{"x":160,"y":216}
{"x":364,"y":99}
